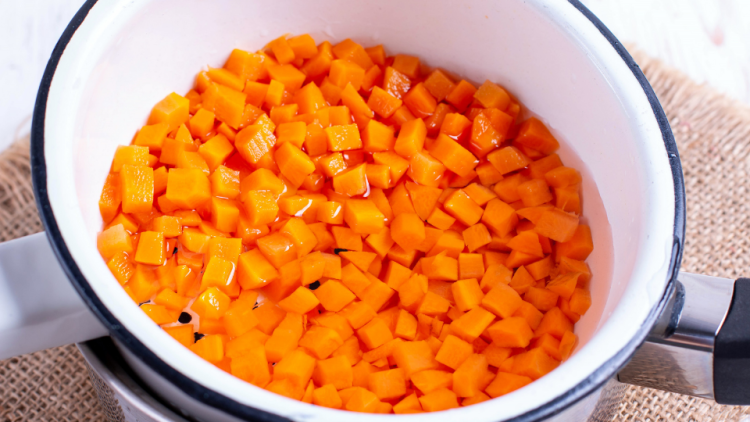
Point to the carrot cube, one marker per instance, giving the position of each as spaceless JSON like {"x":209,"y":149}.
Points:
{"x":383,"y":103}
{"x":564,"y":284}
{"x":359,"y":108}
{"x":527,"y":242}
{"x":343,"y":137}
{"x":561,"y":226}
{"x":240,"y":319}
{"x":535,"y":192}
{"x":467,"y":294}
{"x":361,"y":260}
{"x":440,"y":219}
{"x":508,"y":159}
{"x":285,"y":337}
{"x":363,"y":216}
{"x":469,"y":378}
{"x":352,"y":182}
{"x":579,"y":246}
{"x":567,"y":344}
{"x":562,"y":177}
{"x":333,"y":295}
{"x":580,"y":301}
{"x":534,"y":363}
{"x":188,"y":188}
{"x":542,"y":299}
{"x":254,"y":270}
{"x":262,"y":179}
{"x":411,"y":138}
{"x":387,"y":385}
{"x":431,"y":380}
{"x":475,"y":237}
{"x":300,"y":301}
{"x":133,"y":155}
{"x":507,"y":188}
{"x":535,"y":135}
{"x":261,"y":207}
{"x":441,"y":399}
{"x":491,"y":95}
{"x":433,"y":304}
{"x":459,"y":205}
{"x":419,"y":101}
{"x":471,"y":324}
{"x":182,"y":333}
{"x":211,"y":304}
{"x":408,"y":405}
{"x":505,"y":383}
{"x":362,"y":400}
{"x":296,"y":367}
{"x":440,"y":267}
{"x":553,"y":322}
{"x":414,"y":356}
{"x":345,"y":72}
{"x":150,"y":248}
{"x":294,"y":164}
{"x":377,"y":137}
{"x":137,"y":187}
{"x":327,"y":396}
{"x":218,"y":273}
{"x":470,"y":265}
{"x":225,"y":182}
{"x":425,"y":169}
{"x":375,"y":333}
{"x":439,"y":84}
{"x":210,"y":348}
{"x":228,"y":104}
{"x":407,"y":230}
{"x":288,"y":75}
{"x":455,"y":157}
{"x":303,"y":238}
{"x":454,"y":352}
{"x":358,"y":314}
{"x":201,"y":123}
{"x":252,"y":366}
{"x":294,"y":132}
{"x":406,"y":326}
{"x":510,"y":332}
{"x":461,"y":95}
{"x":172,"y":110}
{"x":321,"y":341}
{"x":121,"y":267}
{"x":502,"y":301}
{"x":113,"y":240}
{"x":253,"y":142}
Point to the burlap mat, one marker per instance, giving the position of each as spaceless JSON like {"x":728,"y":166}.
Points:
{"x":713,"y":136}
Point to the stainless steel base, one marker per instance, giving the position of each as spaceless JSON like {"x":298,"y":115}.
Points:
{"x":120,"y":393}
{"x":125,"y":399}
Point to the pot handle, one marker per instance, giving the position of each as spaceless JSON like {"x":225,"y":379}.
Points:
{"x":39,"y":308}
{"x":700,"y":345}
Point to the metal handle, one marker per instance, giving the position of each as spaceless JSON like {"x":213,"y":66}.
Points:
{"x":39,"y":308}
{"x":678,"y":354}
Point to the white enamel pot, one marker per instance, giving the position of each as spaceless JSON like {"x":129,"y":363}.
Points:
{"x":119,"y":57}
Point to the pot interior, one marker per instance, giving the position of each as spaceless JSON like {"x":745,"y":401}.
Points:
{"x":127,"y":55}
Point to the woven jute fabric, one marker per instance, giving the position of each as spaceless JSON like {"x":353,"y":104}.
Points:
{"x":51,"y":385}
{"x":713,"y":137}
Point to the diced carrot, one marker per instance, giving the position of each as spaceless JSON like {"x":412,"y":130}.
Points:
{"x":535,"y":135}
{"x":580,"y":301}
{"x":505,"y":383}
{"x":482,"y":242}
{"x":578,"y":246}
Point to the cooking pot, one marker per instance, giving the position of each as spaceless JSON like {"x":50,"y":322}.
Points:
{"x":648,"y":323}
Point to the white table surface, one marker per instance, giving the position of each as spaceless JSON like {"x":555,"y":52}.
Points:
{"x":707,"y":39}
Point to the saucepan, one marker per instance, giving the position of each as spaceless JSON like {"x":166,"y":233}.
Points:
{"x":649,"y":324}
